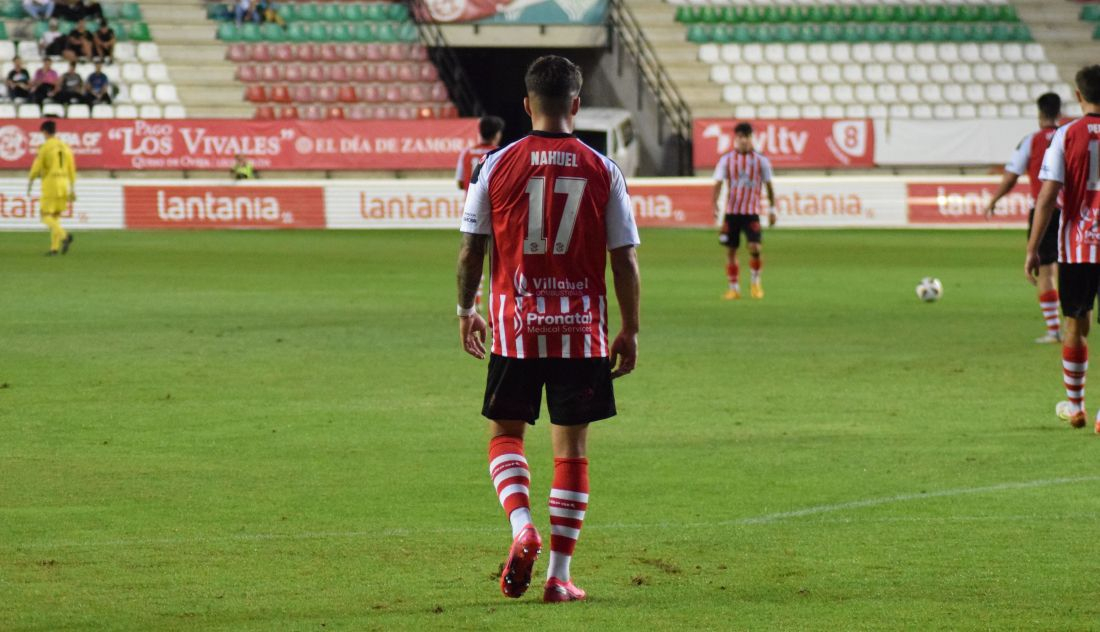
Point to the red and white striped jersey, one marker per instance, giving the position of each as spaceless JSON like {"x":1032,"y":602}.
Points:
{"x":468,"y":161}
{"x":554,"y":207}
{"x":746,"y":174}
{"x":1073,"y":159}
{"x":1028,"y":158}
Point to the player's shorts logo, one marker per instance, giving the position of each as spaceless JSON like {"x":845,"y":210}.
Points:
{"x":13,"y":143}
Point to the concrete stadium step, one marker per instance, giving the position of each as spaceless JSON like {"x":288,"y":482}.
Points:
{"x":1065,"y":38}
{"x":174,"y":13}
{"x":170,"y":33}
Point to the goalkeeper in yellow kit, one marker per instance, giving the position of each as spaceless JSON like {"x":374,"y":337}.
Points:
{"x":57,"y":169}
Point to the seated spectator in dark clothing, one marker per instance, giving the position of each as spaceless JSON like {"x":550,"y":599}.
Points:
{"x":72,"y":87}
{"x":103,"y":40}
{"x":45,"y":84}
{"x":19,"y":82}
{"x":73,"y":10}
{"x":78,"y":43}
{"x":98,"y":86}
{"x":52,"y":42}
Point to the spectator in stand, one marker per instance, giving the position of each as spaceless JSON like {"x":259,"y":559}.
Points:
{"x":103,"y":40}
{"x":247,"y":9}
{"x":38,"y":9}
{"x":72,"y":87}
{"x":45,"y":84}
{"x":242,"y":169}
{"x":98,"y":86}
{"x":78,"y":43}
{"x":74,"y":10}
{"x":51,"y":43}
{"x":19,"y":82}
{"x":270,"y":13}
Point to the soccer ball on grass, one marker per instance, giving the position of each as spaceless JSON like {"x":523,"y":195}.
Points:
{"x":929,"y":290}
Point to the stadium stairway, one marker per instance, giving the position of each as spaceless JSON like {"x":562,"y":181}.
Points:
{"x":195,"y":58}
{"x":1067,"y":40}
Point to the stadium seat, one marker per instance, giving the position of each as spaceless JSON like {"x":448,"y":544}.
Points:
{"x":238,"y":53}
{"x":289,"y":112}
{"x":247,"y":73}
{"x":326,"y":94}
{"x":133,"y":72}
{"x":261,"y":52}
{"x":103,"y":111}
{"x":53,"y":110}
{"x":141,"y":93}
{"x":312,"y":113}
{"x":371,"y":93}
{"x":361,"y":73}
{"x":157,"y":73}
{"x":307,"y":52}
{"x":283,"y":53}
{"x":126,"y":111}
{"x":318,"y":73}
{"x":166,"y":93}
{"x":151,"y":111}
{"x":125,"y":52}
{"x":301,"y":94}
{"x":335,"y":113}
{"x":148,"y":52}
{"x":78,"y":111}
{"x":256,"y":94}
{"x":29,"y":51}
{"x":264,"y":113}
{"x":29,"y":111}
{"x":175,"y":111}
{"x":294,"y":73}
{"x":339,"y":74}
{"x":271,"y":73}
{"x":282,"y":94}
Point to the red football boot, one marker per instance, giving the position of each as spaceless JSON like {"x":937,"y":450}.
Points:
{"x":516,"y":576}
{"x":557,"y":591}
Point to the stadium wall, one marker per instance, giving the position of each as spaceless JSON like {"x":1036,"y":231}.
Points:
{"x":822,"y":202}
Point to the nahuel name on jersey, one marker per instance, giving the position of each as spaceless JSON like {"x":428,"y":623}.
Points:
{"x":553,"y":159}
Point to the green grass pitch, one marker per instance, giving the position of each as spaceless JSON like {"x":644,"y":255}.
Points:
{"x":279,"y":431}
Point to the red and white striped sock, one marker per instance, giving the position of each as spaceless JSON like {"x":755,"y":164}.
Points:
{"x":733,"y":272}
{"x":512,"y":479}
{"x":1075,"y":363}
{"x":1048,"y":301}
{"x":568,"y":502}
{"x":756,"y":263}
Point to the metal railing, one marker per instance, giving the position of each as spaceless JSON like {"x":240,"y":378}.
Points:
{"x":445,"y":60}
{"x":626,"y":30}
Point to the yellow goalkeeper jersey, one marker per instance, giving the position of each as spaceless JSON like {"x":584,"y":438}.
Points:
{"x":56,"y":167}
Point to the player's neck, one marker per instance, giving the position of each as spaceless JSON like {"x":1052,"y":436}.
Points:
{"x":1048,"y":123}
{"x":1090,"y":108}
{"x":552,"y":124}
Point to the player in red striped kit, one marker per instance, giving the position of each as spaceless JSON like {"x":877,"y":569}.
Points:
{"x":746,"y":172}
{"x":1071,"y":167}
{"x":490,"y":129}
{"x":1027,"y":159}
{"x":554,"y":207}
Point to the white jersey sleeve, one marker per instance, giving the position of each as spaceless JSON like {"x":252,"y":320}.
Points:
{"x":1054,"y":161}
{"x":619,"y":214}
{"x":475,"y":215}
{"x":765,"y":169}
{"x":722,"y":171}
{"x":1018,"y":163}
{"x":460,"y":170}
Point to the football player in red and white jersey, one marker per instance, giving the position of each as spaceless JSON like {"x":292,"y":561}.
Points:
{"x":746,"y":172}
{"x":490,"y":129}
{"x":1071,"y":167}
{"x":1028,"y":159}
{"x":554,"y":208}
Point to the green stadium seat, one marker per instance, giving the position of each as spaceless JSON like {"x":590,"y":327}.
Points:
{"x":386,"y":32}
{"x":969,"y":13}
{"x":139,"y":32}
{"x":272,"y":32}
{"x":130,"y":12}
{"x":12,"y":10}
{"x":3,"y":31}
{"x":376,"y":12}
{"x":852,"y":33}
{"x":331,"y":13}
{"x":1096,"y":33}
{"x":765,"y":34}
{"x":917,"y":32}
{"x":809,"y":32}
{"x":777,"y":14}
{"x":1023,"y":33}
{"x":1008,"y":13}
{"x":297,"y":32}
{"x":731,"y":15}
{"x":874,"y":32}
{"x":785,"y":33}
{"x":122,"y":34}
{"x":751,"y":15}
{"x":365,"y":33}
{"x":340,"y":33}
{"x":250,"y":32}
{"x":39,"y":29}
{"x":860,"y":14}
{"x":213,"y":12}
{"x":962,"y":33}
{"x":318,"y":32}
{"x":949,"y":13}
{"x":1090,"y":12}
{"x":938,"y":33}
{"x":685,"y":15}
{"x":308,"y":13}
{"x":895,"y":32}
{"x":398,"y":12}
{"x":698,"y":34}
{"x":740,"y":34}
{"x":227,"y":32}
{"x":937,"y":13}
{"x":355,"y":13}
{"x":288,"y":11}
{"x":408,"y":33}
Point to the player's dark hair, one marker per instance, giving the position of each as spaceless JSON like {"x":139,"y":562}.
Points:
{"x":1050,"y":105}
{"x":554,"y":81}
{"x":490,"y":126}
{"x":1088,"y":83}
{"x":49,"y":127}
{"x":743,"y":129}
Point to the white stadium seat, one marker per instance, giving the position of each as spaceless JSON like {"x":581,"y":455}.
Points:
{"x":53,"y":109}
{"x":875,"y":73}
{"x":992,"y":53}
{"x":996,"y":93}
{"x":917,"y":73}
{"x":733,"y":93}
{"x":974,"y":93}
{"x":166,"y":93}
{"x":821,"y":94}
{"x":175,"y":111}
{"x":877,"y":110}
{"x":767,"y":111}
{"x":797,"y":53}
{"x":948,"y":53}
{"x":7,"y":111}
{"x":953,"y":93}
{"x":844,"y":94}
{"x":983,"y":73}
{"x":765,"y":74}
{"x":926,"y":53}
{"x":1009,"y":110}
{"x":856,"y":110}
{"x":133,"y":72}
{"x":28,"y":51}
{"x":1027,"y":73}
{"x":742,"y":74}
{"x":709,"y":53}
{"x":157,"y":73}
{"x":141,"y":93}
{"x":124,"y":52}
{"x":966,"y":110}
{"x":756,"y":95}
{"x":840,"y":53}
{"x":943,"y":111}
{"x":970,"y":53}
{"x":720,"y":74}
{"x":887,"y":93}
{"x":1034,"y":53}
{"x":103,"y":111}
{"x":830,"y":73}
{"x":809,"y":73}
{"x":744,"y":111}
{"x":833,"y":111}
{"x":987,"y":110}
{"x":905,"y":53}
{"x":1004,"y":73}
{"x":883,"y":53}
{"x":148,"y":52}
{"x":786,"y":73}
{"x":895,"y":73}
{"x":1013,"y":53}
{"x":812,"y":112}
{"x":7,"y":49}
{"x":29,"y":111}
{"x":151,"y":112}
{"x":931,"y":93}
{"x":865,"y":93}
{"x":79,"y":111}
{"x":775,"y":53}
{"x":852,"y":73}
{"x":1049,"y":73}
{"x":961,"y":73}
{"x":126,"y":111}
{"x":921,"y":111}
{"x":789,"y":111}
{"x":909,"y":93}
{"x":899,"y":110}
{"x":731,"y":53}
{"x":1020,"y":93}
{"x":753,"y":53}
{"x":800,"y":93}
{"x":861,"y":53}
{"x":939,"y":73}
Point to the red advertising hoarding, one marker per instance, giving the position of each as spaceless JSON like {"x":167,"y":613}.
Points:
{"x":792,"y":144}
{"x":965,"y":203}
{"x":230,"y":206}
{"x":213,"y":144}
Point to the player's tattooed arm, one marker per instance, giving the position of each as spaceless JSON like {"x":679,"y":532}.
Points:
{"x":471,"y":260}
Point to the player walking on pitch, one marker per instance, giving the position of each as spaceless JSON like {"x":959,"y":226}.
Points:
{"x":746,"y":171}
{"x":554,"y":208}
{"x":56,"y":167}
{"x":490,"y":129}
{"x":1027,"y":159}
{"x":1071,"y":167}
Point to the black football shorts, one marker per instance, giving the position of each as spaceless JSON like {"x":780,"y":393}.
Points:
{"x":1048,"y":247}
{"x":578,"y":390}
{"x":734,"y":225}
{"x":1078,"y":285}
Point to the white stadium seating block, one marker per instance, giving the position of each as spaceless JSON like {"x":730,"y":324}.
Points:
{"x":29,"y":51}
{"x":166,"y":93}
{"x":1027,"y":73}
{"x":840,"y":53}
{"x":974,"y":93}
{"x":789,"y":111}
{"x":1034,"y":53}
{"x":124,"y":52}
{"x":833,"y":111}
{"x":151,"y":112}
{"x":895,"y":73}
{"x":53,"y":109}
{"x":133,"y":72}
{"x":731,"y":53}
{"x":887,"y":93}
{"x":7,"y":49}
{"x":7,"y":111}
{"x":720,"y":74}
{"x":141,"y":93}
{"x":1020,"y":93}
{"x":939,"y":73}
{"x":175,"y":111}
{"x":103,"y":111}
{"x":29,"y":111}
{"x":775,"y":54}
{"x":931,"y":93}
{"x":921,"y":111}
{"x":148,"y":52}
{"x":157,"y":73}
{"x":79,"y":111}
{"x":126,"y":111}
{"x":856,"y":110}
{"x":733,"y":93}
{"x":865,"y":93}
{"x":709,"y":53}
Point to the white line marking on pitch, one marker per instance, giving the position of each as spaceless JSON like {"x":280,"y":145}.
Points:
{"x":749,"y":521}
